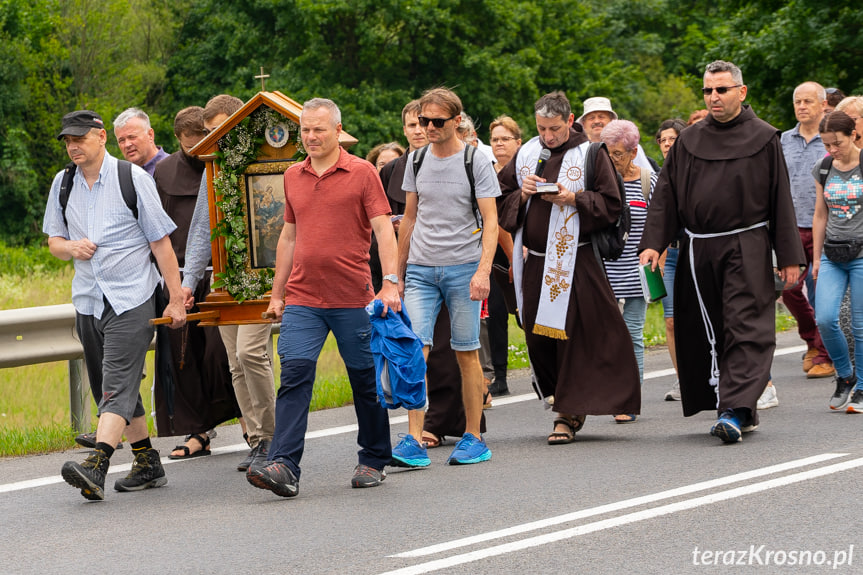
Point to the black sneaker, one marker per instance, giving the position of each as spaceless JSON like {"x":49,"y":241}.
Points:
{"x":261,"y":452}
{"x":247,"y":461}
{"x":365,"y":476}
{"x":89,"y":440}
{"x":498,"y":388}
{"x":277,"y":477}
{"x":89,"y":476}
{"x":841,"y":396}
{"x":147,"y":472}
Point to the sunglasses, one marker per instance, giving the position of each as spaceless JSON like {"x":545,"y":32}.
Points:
{"x":720,"y":90}
{"x":437,"y":122}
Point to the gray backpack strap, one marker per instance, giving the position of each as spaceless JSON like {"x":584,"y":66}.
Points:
{"x":645,"y":183}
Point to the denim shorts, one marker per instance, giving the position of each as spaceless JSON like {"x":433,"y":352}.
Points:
{"x":427,"y":287}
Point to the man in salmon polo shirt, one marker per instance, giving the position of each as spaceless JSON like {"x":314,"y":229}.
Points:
{"x":322,"y":283}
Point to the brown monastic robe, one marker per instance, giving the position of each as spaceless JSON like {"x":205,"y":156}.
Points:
{"x":594,"y":371}
{"x":720,"y":177}
{"x":203,"y":392}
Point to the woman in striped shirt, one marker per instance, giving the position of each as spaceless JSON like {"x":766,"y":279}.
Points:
{"x":621,"y":137}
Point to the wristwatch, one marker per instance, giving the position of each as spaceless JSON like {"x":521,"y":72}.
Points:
{"x":393,"y":278}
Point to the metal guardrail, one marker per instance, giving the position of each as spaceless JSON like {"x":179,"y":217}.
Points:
{"x":43,"y":334}
{"x":34,"y":335}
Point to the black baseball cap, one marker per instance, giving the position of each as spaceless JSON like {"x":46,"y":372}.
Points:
{"x":80,"y":122}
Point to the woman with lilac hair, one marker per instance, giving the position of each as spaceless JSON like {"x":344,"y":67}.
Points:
{"x":621,"y":137}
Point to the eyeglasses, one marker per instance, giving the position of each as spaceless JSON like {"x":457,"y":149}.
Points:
{"x":668,"y":140}
{"x":437,"y":122}
{"x":618,"y":155}
{"x":720,"y":90}
{"x":502,"y":139}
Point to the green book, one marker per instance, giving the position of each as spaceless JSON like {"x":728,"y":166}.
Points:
{"x":652,"y":285}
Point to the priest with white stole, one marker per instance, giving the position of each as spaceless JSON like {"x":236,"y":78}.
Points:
{"x":580,"y":352}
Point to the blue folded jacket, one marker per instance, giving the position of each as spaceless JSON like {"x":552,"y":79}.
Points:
{"x":399,"y":363}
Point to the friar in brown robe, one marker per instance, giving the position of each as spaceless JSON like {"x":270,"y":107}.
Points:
{"x":203,"y":395}
{"x":725,"y":175}
{"x":593,"y":371}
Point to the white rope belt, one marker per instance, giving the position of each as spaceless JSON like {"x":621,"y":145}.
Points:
{"x":708,"y":325}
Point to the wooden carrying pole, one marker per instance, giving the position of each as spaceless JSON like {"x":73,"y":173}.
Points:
{"x":189,"y":317}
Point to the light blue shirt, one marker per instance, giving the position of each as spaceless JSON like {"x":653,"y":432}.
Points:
{"x":800,"y":157}
{"x":198,"y":250}
{"x":120,"y":269}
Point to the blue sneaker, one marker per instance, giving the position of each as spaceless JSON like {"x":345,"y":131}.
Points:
{"x":409,"y":453}
{"x":727,"y":427}
{"x":468,"y":450}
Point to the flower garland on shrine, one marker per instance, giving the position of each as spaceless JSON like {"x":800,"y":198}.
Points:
{"x":237,"y":150}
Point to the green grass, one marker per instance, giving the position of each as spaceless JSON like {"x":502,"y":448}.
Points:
{"x":34,"y":400}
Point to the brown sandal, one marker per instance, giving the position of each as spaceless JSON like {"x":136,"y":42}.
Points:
{"x":574,"y":423}
{"x":429,"y":440}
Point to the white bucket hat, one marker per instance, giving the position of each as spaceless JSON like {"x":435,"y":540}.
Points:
{"x":598,"y":104}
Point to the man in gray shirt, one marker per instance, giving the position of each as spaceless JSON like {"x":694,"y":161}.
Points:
{"x":803,"y":149}
{"x":444,"y":255}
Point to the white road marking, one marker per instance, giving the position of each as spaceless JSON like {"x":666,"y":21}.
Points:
{"x":619,"y":505}
{"x":498,"y":401}
{"x":626,"y":519}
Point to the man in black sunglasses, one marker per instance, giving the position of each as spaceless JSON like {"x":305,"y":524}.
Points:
{"x":444,"y":256}
{"x":725,"y":181}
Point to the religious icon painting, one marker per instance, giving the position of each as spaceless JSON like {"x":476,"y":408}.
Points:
{"x":277,"y":135}
{"x":264,"y":185}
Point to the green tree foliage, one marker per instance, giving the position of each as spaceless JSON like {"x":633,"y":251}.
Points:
{"x":372,"y":57}
{"x":779,"y":45}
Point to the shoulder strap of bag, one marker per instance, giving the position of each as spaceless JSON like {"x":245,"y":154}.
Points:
{"x":469,"y":153}
{"x":419,"y":156}
{"x":589,"y":181}
{"x":127,"y":187}
{"x":645,"y":183}
{"x":66,"y":186}
{"x":824,"y":170}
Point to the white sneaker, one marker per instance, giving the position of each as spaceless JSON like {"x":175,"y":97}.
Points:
{"x":769,"y":398}
{"x":673,"y":394}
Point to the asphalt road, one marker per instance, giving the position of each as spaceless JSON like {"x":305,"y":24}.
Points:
{"x":656,"y":496}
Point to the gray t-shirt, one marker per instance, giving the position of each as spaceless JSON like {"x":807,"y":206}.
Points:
{"x":843,"y":192}
{"x":444,"y":231}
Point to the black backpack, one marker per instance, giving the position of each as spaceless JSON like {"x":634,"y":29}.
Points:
{"x":469,"y":152}
{"x":127,"y":187}
{"x":824,"y":170}
{"x":608,"y":243}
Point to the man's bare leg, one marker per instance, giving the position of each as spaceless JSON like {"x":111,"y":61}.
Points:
{"x":472,"y":389}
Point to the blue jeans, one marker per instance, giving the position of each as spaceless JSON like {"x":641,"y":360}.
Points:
{"x":426,"y":287}
{"x":833,"y":280}
{"x":634,"y":315}
{"x":668,"y":279}
{"x":303,"y":333}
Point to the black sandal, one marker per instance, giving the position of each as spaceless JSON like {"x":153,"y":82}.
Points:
{"x":205,"y":444}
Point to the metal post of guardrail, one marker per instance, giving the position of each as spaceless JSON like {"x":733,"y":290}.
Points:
{"x":79,"y":396}
{"x":34,"y":335}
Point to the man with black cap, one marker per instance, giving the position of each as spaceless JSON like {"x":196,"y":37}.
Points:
{"x":92,"y":223}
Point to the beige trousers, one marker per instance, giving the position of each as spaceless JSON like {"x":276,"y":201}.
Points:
{"x":250,"y":349}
